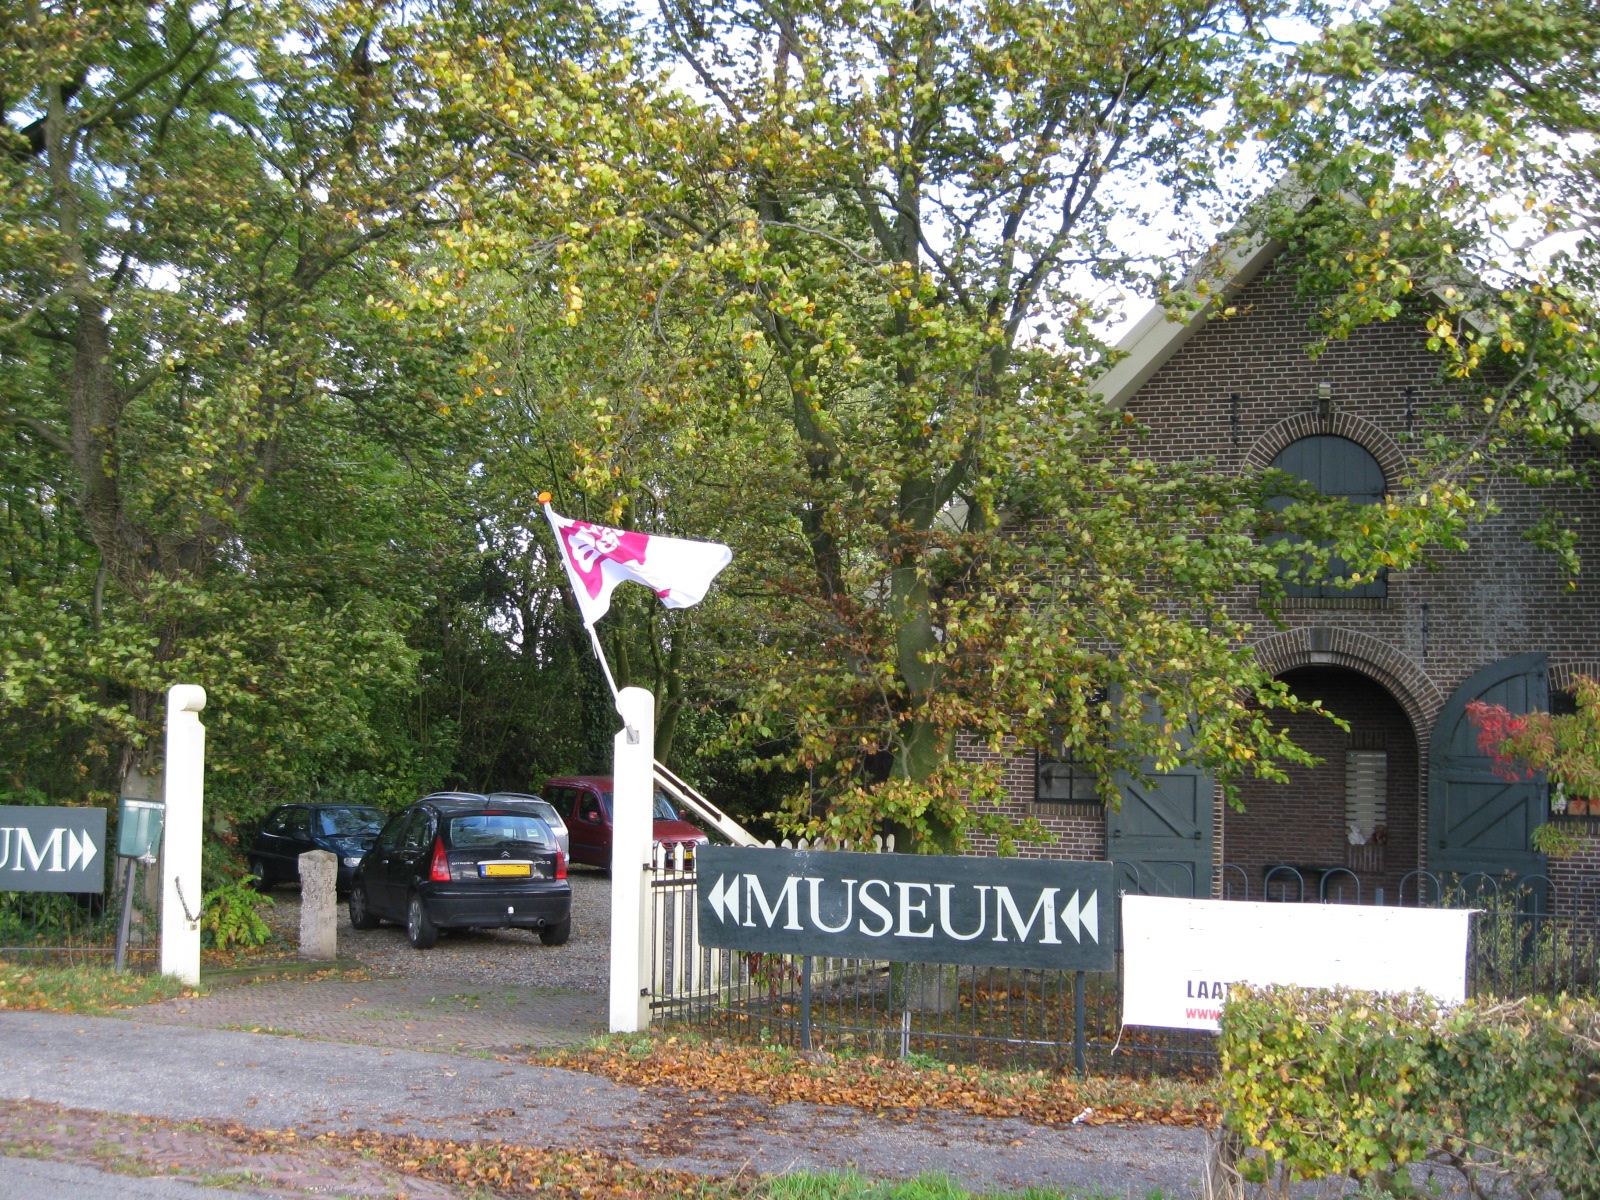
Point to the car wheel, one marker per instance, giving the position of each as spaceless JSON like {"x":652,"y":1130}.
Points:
{"x":420,"y":930}
{"x":361,"y":917}
{"x":258,"y":868}
{"x":556,"y":935}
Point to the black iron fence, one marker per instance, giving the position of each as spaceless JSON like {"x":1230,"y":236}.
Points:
{"x":71,"y":929}
{"x":1014,"y":1017}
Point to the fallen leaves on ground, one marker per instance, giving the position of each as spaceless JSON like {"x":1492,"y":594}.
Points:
{"x":86,"y":990}
{"x":880,"y":1085}
{"x":353,"y":1163}
{"x":580,"y":1174}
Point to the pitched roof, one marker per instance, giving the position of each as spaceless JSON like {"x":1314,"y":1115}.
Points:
{"x":1227,"y":269}
{"x":1160,"y":334}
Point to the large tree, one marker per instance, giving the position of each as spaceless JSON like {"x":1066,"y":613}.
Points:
{"x":249,"y":456}
{"x":850,"y":250}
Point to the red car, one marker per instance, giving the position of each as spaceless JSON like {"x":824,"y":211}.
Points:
{"x":585,"y":802}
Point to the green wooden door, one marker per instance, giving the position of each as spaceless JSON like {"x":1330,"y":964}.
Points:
{"x":1161,"y":837}
{"x":1479,"y":821}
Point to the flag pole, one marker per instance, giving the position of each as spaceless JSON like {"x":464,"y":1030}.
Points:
{"x":594,"y":640}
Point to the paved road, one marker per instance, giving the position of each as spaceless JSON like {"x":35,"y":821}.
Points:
{"x":263,"y":1081}
{"x":432,"y":1044}
{"x":41,"y":1179}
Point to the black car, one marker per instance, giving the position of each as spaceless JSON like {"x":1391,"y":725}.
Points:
{"x":345,"y":830}
{"x":461,"y":861}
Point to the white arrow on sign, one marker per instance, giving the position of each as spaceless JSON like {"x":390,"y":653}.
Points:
{"x":1085,"y":916}
{"x":80,"y":849}
{"x":725,"y":898}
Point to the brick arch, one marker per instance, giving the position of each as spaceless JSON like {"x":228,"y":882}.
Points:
{"x":1562,"y":673}
{"x":1371,"y":438}
{"x":1319,"y":645}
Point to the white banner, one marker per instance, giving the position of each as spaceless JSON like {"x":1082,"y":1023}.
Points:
{"x":1181,"y":955}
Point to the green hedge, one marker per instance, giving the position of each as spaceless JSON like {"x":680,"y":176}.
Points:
{"x":1329,"y":1083}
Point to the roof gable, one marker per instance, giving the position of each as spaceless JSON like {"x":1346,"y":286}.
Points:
{"x":1157,"y":336}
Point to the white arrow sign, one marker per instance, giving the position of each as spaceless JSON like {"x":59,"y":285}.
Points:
{"x":725,"y":898}
{"x":80,"y":849}
{"x":1085,"y":916}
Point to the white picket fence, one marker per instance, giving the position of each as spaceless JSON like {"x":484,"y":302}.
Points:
{"x":684,"y":972}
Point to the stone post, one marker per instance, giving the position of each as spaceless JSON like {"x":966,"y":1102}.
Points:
{"x":184,"y":775}
{"x":319,"y":906}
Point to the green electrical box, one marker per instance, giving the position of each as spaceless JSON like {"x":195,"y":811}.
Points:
{"x":138,"y":827}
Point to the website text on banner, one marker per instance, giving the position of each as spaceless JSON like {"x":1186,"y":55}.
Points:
{"x":1181,"y":955}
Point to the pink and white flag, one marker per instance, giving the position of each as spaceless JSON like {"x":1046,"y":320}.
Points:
{"x":598,"y":558}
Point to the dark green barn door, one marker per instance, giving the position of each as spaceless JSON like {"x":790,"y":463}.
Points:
{"x":1478,"y":820}
{"x":1161,"y":838}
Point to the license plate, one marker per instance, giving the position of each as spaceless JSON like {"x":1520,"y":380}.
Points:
{"x":505,"y":870}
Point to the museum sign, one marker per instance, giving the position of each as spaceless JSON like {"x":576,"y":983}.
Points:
{"x":992,"y":912}
{"x":52,"y":849}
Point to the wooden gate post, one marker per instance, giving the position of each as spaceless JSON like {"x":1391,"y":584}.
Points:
{"x":632,"y":833}
{"x":184,"y":776}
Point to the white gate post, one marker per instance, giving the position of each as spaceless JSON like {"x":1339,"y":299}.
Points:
{"x":184,"y":776}
{"x":632,"y":833}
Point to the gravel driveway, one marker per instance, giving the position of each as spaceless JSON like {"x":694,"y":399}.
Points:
{"x":512,"y":957}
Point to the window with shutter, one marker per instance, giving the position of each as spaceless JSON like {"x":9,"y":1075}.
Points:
{"x":1340,"y":469}
{"x":1366,"y":812}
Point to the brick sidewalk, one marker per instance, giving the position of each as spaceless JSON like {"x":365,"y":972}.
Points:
{"x":396,"y":1013}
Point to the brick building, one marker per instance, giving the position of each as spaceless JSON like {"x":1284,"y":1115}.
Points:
{"x":1405,"y":788}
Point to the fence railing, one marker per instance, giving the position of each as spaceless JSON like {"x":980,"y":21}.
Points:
{"x":71,"y":929}
{"x":988,"y":1015}
{"x":1028,"y":1017}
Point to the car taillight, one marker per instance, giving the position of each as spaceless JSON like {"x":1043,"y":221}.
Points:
{"x":439,"y":869}
{"x":561,"y":865}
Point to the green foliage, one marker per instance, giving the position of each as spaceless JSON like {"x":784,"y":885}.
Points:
{"x":1333,"y":1083}
{"x":227,"y":459}
{"x":1440,"y":167}
{"x":1566,"y":746}
{"x":854,"y":350}
{"x":53,"y":919}
{"x":1523,"y":1093}
{"x":301,"y":305}
{"x":1329,"y":1083}
{"x":231,"y":918}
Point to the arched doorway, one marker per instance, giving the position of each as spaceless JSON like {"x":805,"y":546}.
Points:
{"x":1356,"y":811}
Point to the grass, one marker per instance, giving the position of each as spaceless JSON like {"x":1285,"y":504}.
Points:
{"x":847,"y":1185}
{"x":91,"y":991}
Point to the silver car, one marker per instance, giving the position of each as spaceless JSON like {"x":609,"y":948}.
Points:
{"x":541,"y":808}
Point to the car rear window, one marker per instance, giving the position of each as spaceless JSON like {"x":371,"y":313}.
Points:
{"x":538,"y":806}
{"x":663,"y":810}
{"x":496,"y":829}
{"x":350,"y":822}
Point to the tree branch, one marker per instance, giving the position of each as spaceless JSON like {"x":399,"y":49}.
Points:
{"x":38,"y":428}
